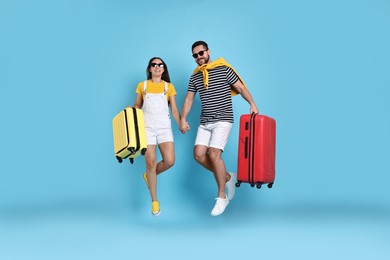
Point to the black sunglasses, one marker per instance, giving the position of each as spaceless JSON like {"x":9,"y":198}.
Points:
{"x":195,"y":55}
{"x":161,"y":65}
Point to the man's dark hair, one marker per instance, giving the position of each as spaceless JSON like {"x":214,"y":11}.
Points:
{"x":200,"y":43}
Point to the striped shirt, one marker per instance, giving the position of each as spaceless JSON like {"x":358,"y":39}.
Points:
{"x":216,"y":100}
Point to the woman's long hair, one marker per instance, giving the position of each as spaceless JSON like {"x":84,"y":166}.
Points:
{"x":164,"y":76}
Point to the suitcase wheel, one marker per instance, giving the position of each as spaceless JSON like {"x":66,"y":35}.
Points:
{"x":252,"y":185}
{"x":119,"y":159}
{"x":270,"y":185}
{"x":131,"y":160}
{"x":238,"y":183}
{"x":143,"y":151}
{"x":258,"y":185}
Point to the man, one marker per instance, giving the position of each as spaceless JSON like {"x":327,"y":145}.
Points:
{"x":216,"y":82}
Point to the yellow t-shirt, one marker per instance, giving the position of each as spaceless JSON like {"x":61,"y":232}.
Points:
{"x":155,"y":88}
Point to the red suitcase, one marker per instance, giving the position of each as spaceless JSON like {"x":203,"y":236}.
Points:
{"x":256,"y":150}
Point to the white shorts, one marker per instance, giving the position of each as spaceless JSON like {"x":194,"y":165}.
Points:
{"x":214,"y":134}
{"x":158,"y":135}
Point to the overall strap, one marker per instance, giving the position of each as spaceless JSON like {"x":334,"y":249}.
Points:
{"x":145,"y":86}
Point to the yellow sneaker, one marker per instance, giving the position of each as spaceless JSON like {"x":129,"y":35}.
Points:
{"x":155,"y":208}
{"x":145,"y":179}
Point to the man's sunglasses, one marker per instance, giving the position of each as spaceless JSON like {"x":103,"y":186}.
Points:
{"x":154,"y":65}
{"x":195,"y":55}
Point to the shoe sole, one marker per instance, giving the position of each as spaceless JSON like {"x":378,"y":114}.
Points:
{"x":216,"y":215}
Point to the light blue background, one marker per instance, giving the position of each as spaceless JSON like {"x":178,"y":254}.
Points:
{"x":320,"y":68}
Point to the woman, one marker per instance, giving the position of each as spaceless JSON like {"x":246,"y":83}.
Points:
{"x":154,"y":96}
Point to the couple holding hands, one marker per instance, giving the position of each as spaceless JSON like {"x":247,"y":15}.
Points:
{"x":216,"y":82}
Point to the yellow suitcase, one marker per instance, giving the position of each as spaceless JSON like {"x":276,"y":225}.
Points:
{"x":129,"y":134}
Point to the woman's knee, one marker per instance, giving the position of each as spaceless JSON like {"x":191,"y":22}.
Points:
{"x":151,"y":164}
{"x":169,"y":162}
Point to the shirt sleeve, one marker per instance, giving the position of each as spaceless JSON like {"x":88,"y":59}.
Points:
{"x":231,"y":76}
{"x":140,"y":89}
{"x":171,"y":90}
{"x":191,"y":85}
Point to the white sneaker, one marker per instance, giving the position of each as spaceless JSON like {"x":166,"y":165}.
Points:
{"x":231,"y":186}
{"x":220,"y":206}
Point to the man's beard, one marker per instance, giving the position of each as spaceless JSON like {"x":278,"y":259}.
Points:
{"x":206,"y":60}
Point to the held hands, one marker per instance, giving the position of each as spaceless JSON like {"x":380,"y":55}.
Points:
{"x":184,"y":127}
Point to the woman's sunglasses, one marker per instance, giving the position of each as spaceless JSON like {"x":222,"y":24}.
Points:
{"x":154,"y":65}
{"x":195,"y":55}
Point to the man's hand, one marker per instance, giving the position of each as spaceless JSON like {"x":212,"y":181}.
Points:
{"x":184,"y":126}
{"x":254,"y":109}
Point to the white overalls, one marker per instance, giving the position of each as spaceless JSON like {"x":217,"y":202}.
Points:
{"x":156,"y":116}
